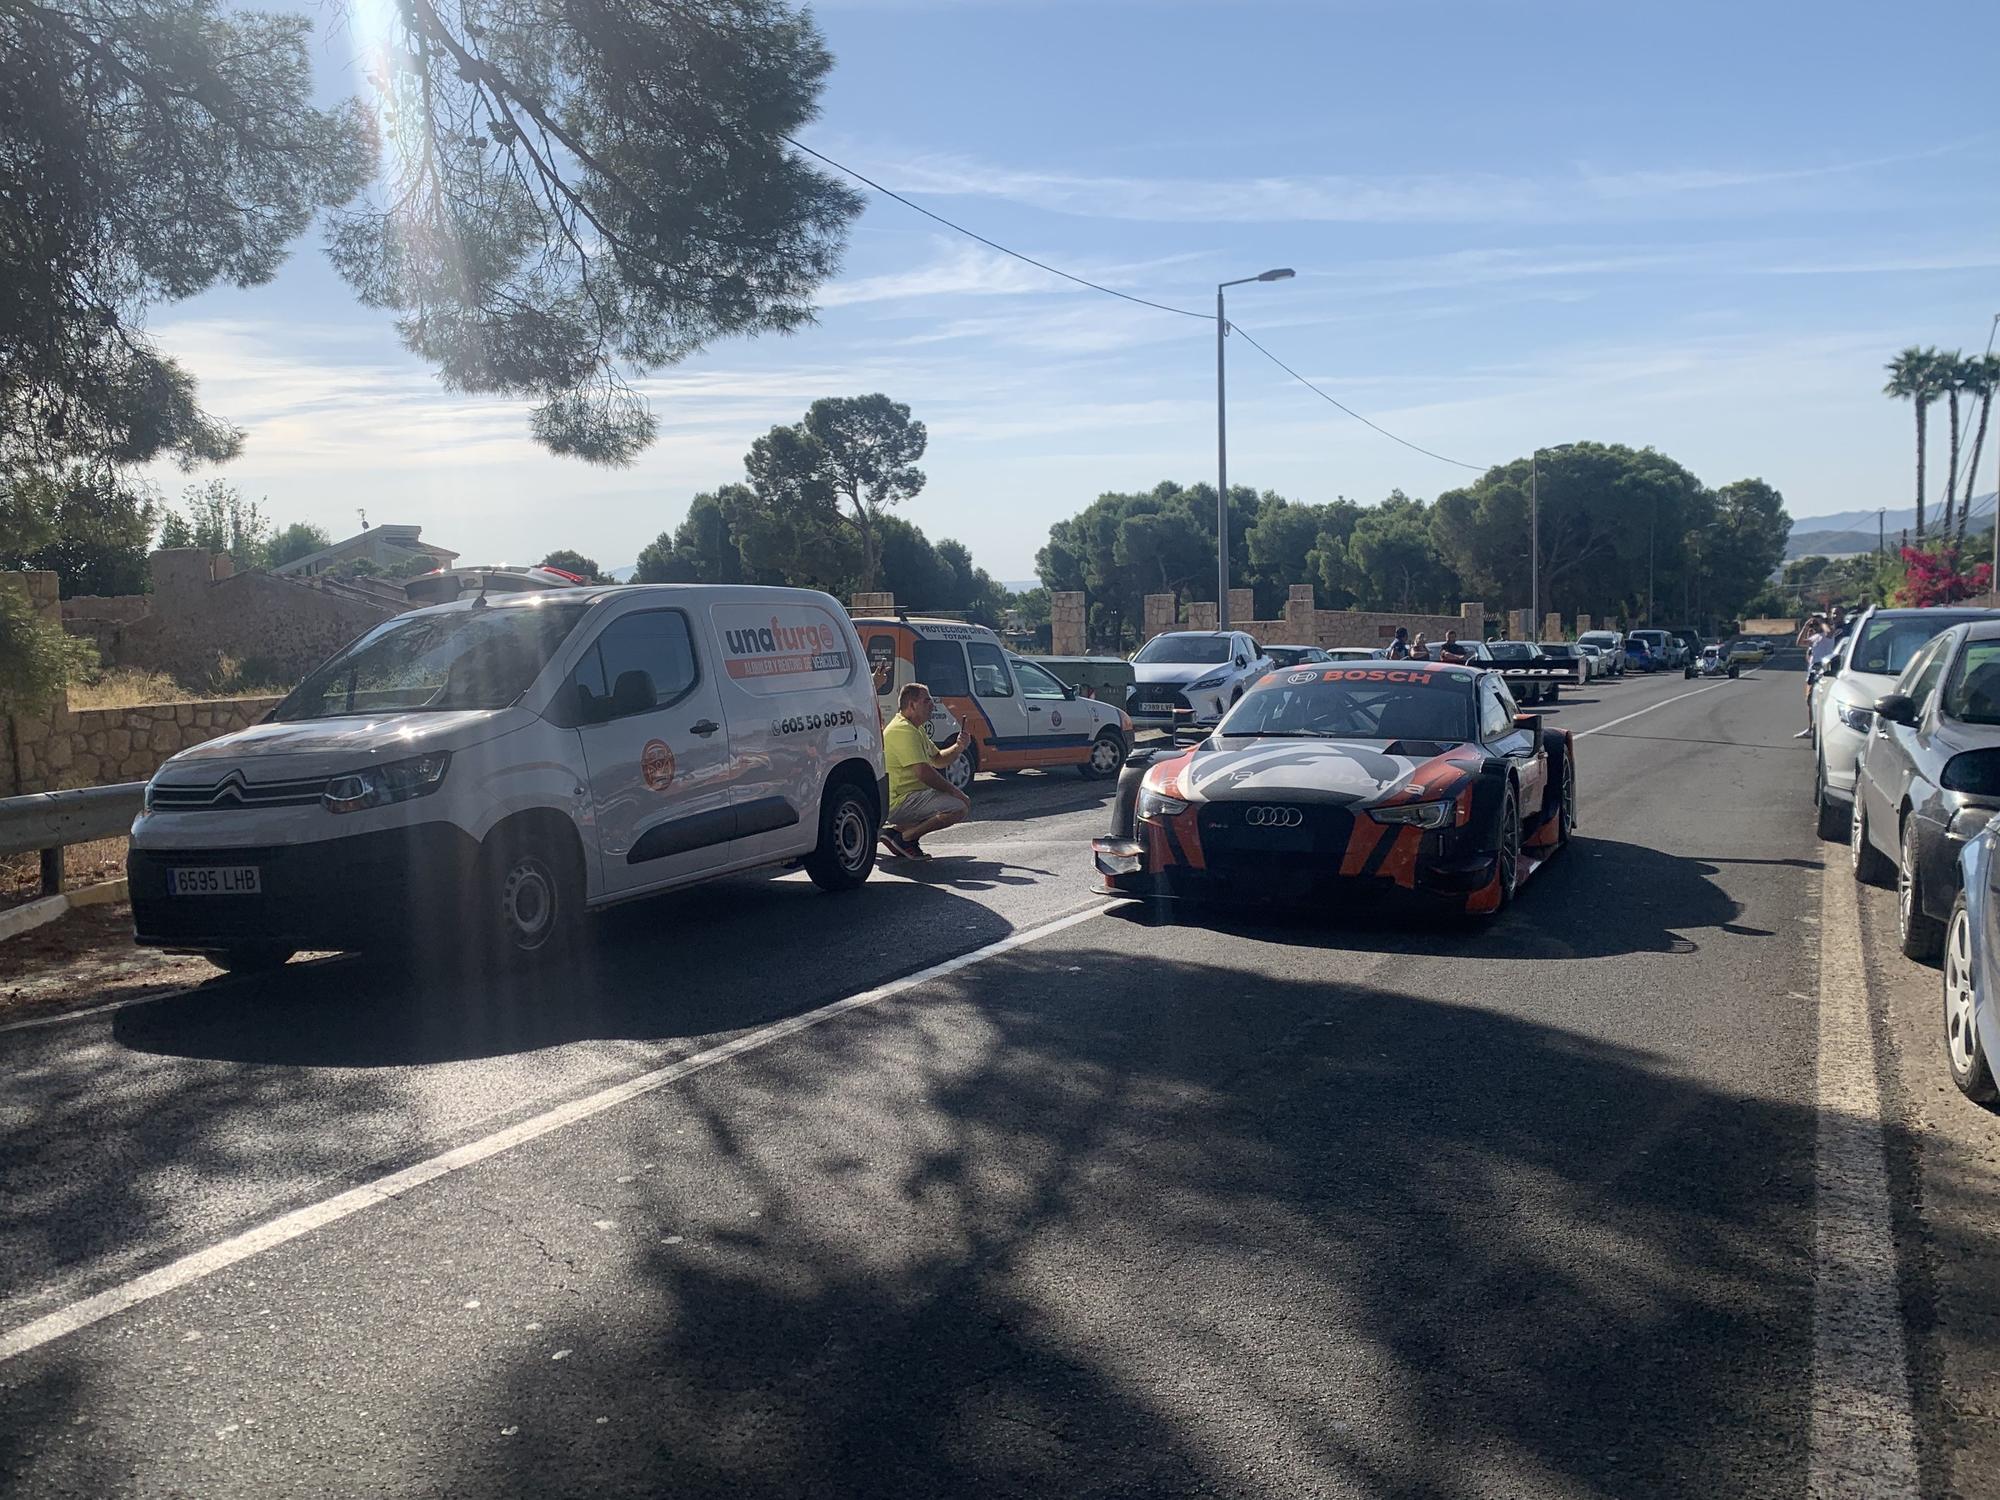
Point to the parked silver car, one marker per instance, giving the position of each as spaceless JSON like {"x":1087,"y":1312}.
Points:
{"x":1192,"y":676}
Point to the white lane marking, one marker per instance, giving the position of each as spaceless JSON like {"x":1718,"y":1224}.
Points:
{"x":303,"y":1221}
{"x":1861,"y":1440}
{"x":1677,"y":697}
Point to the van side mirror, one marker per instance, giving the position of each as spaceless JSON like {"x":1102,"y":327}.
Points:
{"x":1896,"y":708}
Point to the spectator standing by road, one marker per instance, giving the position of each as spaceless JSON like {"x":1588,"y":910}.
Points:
{"x":1814,"y":636}
{"x":1453,"y":648}
{"x":1420,"y":649}
{"x":921,"y":801}
{"x":1399,"y":648}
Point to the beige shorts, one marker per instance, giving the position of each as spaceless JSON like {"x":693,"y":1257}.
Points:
{"x":921,"y":806}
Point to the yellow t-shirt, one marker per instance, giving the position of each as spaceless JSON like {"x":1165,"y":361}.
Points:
{"x":905,"y":746}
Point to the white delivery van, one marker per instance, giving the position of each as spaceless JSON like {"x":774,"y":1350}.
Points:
{"x":493,"y":767}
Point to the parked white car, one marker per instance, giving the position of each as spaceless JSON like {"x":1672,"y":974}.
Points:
{"x":1881,"y":644}
{"x":487,"y":770}
{"x":1611,"y":643}
{"x":1192,"y":676}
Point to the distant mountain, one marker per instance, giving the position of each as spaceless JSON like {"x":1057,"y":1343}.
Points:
{"x":1018,"y":586}
{"x":621,"y":575}
{"x":1850,"y":531}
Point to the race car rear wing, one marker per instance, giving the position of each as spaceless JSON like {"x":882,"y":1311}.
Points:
{"x":1542,"y":670}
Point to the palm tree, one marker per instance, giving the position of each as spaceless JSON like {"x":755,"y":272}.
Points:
{"x":1982,"y":380}
{"x":1948,"y":375}
{"x":1913,"y":378}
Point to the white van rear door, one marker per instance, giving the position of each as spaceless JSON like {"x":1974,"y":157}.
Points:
{"x":659,"y":758}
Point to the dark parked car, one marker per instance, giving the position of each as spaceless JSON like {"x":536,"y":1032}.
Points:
{"x":1928,"y":778}
{"x":1639,"y":656}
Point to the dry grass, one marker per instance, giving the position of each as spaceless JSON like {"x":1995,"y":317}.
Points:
{"x":83,"y":864}
{"x":128,"y":687}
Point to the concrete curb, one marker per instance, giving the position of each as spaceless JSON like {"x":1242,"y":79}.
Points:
{"x":40,"y":913}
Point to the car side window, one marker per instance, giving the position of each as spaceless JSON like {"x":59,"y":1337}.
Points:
{"x":990,"y":677}
{"x":639,"y":663}
{"x":1922,"y":675}
{"x":1496,"y":716}
{"x":1037,"y":682}
{"x":941,"y":668}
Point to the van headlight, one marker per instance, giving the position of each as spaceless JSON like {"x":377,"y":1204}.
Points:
{"x":378,"y":786}
{"x":1422,"y":814}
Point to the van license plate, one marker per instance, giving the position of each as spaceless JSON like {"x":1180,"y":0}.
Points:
{"x":216,"y":880}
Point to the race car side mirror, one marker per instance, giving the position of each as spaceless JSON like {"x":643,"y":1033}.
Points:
{"x":1896,"y":708}
{"x":1530,"y":722}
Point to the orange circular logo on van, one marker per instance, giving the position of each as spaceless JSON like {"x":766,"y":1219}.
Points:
{"x":656,"y":765}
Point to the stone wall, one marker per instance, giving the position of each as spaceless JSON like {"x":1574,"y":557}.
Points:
{"x":201,"y":611}
{"x":60,"y":748}
{"x":105,"y":607}
{"x":1068,"y":624}
{"x":1303,"y":625}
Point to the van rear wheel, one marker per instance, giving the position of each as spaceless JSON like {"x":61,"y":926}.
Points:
{"x":845,"y":854}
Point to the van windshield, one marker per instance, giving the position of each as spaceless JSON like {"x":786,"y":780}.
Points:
{"x":469,"y":658}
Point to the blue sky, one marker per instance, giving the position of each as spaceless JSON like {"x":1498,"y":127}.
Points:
{"x":1697,"y":226}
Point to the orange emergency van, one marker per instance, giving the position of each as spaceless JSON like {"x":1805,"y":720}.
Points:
{"x":1018,"y":714}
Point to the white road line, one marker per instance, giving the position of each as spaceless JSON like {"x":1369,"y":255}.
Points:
{"x":1861,"y":1440}
{"x":1677,"y":697}
{"x":303,"y":1221}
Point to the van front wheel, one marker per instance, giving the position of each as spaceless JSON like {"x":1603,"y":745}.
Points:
{"x":532,"y":899}
{"x":845,"y":854}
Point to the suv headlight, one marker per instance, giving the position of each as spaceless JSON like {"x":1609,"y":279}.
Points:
{"x":378,"y":786}
{"x":1422,"y":814}
{"x":1203,"y":684}
{"x":1154,"y":804}
{"x":1854,"y":716}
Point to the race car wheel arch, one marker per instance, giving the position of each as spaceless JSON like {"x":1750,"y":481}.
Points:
{"x":1125,"y":802}
{"x":1562,"y":778}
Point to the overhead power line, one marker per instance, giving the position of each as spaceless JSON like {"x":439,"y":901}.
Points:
{"x":1110,"y":291}
{"x":1238,"y":329}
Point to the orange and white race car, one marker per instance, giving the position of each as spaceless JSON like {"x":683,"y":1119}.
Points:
{"x":1331,"y":782}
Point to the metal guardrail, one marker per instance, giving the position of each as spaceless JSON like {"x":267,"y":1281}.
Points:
{"x":48,"y":821}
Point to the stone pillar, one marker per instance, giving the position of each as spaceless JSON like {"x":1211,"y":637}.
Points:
{"x":1066,"y":624}
{"x":1552,"y":627}
{"x":1300,"y":624}
{"x":1583,"y":625}
{"x":1160,"y":610}
{"x":1472,"y":620}
{"x":220,"y":566}
{"x":1201,"y":615}
{"x":1519,"y":623}
{"x":1242,"y":607}
{"x":873,"y":604}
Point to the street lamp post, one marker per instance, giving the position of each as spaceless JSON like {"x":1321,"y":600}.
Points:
{"x":1281,"y":273}
{"x":1535,"y":534}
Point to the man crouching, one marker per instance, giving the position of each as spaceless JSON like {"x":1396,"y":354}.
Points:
{"x":921,"y":801}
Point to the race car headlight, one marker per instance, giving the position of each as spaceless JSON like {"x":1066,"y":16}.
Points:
{"x":1154,"y":804}
{"x":1422,"y":814}
{"x":1854,"y":716}
{"x":378,"y":786}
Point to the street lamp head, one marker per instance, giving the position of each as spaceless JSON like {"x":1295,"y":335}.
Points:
{"x":1282,"y":273}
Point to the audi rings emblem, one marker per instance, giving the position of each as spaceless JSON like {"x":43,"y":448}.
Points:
{"x":1274,"y":817}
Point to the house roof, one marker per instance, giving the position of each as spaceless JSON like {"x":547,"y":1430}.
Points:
{"x":405,"y":538}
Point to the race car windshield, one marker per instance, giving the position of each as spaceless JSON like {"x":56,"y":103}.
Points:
{"x":1358,"y":703}
{"x":468,"y":658}
{"x":1889,"y":644}
{"x":1188,"y":650}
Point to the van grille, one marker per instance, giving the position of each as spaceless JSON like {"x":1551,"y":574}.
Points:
{"x":234,"y":792}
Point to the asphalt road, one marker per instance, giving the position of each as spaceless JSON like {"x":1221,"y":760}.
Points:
{"x":1141,"y":1206}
